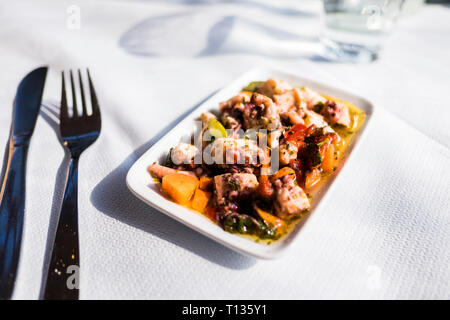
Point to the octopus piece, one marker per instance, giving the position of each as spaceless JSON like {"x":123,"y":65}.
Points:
{"x":331,"y":110}
{"x":230,"y":187}
{"x":294,"y":117}
{"x":273,"y":87}
{"x":230,"y":120}
{"x":335,"y":113}
{"x":290,"y":100}
{"x":311,"y":97}
{"x":290,"y":199}
{"x":286,"y":101}
{"x":254,"y":116}
{"x":232,"y":109}
{"x":313,"y":118}
{"x":241,"y":97}
{"x":229,"y":151}
{"x":183,"y":153}
{"x":159,"y":171}
{"x":205,"y":117}
{"x":291,"y":106}
{"x":288,"y":151}
{"x":261,"y":113}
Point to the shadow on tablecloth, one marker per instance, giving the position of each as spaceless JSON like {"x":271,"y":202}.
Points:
{"x":204,"y":33}
{"x":50,"y":113}
{"x":285,"y":11}
{"x":112,"y":197}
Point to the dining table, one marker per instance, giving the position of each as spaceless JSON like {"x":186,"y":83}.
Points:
{"x":384,"y":230}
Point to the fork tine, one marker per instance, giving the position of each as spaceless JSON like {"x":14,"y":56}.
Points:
{"x":74,"y":98}
{"x":94,"y":102}
{"x":83,"y":101}
{"x":63,"y":114}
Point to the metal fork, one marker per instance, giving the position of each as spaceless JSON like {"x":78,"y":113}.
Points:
{"x":78,"y":132}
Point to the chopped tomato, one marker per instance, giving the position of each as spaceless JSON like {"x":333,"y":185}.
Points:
{"x":296,"y":133}
{"x":334,"y":137}
{"x":212,"y":213}
{"x":299,"y":168}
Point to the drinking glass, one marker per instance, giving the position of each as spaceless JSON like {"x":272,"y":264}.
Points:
{"x":355,"y":30}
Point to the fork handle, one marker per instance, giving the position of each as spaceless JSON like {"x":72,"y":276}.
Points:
{"x":63,"y":273}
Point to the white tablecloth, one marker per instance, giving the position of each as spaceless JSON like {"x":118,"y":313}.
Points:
{"x":385,"y":230}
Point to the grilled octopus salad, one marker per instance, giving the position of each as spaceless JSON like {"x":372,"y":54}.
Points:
{"x":306,"y":132}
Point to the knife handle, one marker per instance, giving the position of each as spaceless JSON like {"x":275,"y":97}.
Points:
{"x":12,"y":203}
{"x":63,"y":272}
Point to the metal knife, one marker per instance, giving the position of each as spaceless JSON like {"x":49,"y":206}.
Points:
{"x":12,"y":194}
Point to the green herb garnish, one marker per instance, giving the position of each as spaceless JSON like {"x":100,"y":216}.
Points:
{"x":253,"y":86}
{"x":234,"y":184}
{"x":323,"y":142}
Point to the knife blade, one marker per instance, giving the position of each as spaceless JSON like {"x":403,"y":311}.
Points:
{"x":12,"y":194}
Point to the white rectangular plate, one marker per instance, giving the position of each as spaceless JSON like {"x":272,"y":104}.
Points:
{"x":145,"y":188}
